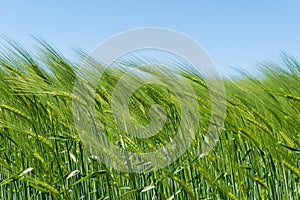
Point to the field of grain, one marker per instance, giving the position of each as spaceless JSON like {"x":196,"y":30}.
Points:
{"x":42,"y":156}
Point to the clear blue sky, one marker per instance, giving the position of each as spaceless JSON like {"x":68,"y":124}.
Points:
{"x":234,"y":33}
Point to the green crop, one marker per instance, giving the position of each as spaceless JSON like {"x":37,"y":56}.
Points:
{"x":42,"y":156}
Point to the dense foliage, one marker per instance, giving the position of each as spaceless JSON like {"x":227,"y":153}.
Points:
{"x":42,"y":156}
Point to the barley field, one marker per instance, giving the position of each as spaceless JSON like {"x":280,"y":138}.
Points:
{"x":43,"y":157}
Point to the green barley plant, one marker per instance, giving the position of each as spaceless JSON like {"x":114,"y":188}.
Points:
{"x":43,"y":157}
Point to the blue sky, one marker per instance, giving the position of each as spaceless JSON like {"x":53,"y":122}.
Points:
{"x":234,"y":33}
